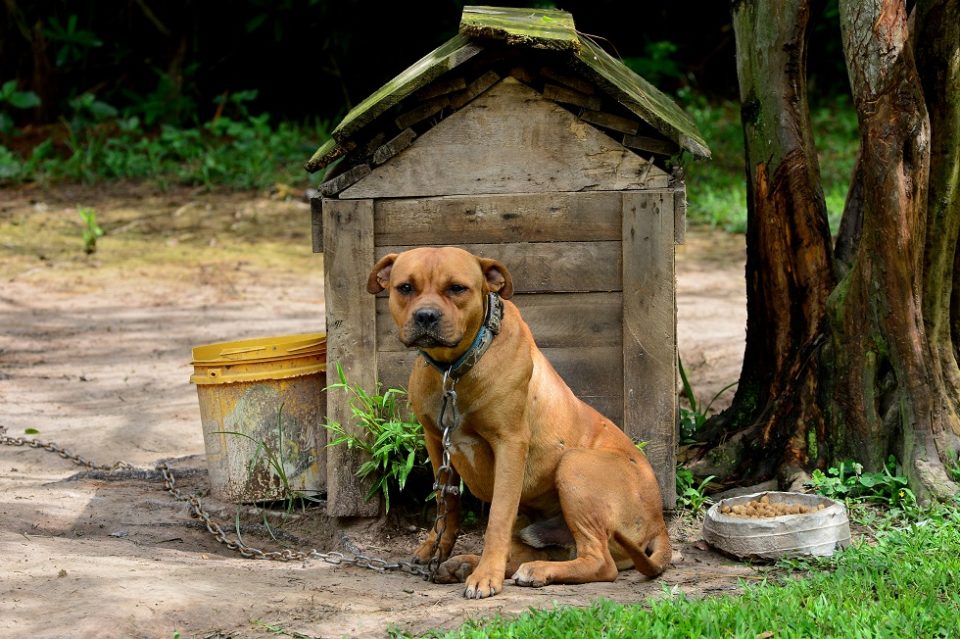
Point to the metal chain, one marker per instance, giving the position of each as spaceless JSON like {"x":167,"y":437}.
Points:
{"x":448,"y":419}
{"x":197,"y":511}
{"x":53,"y":448}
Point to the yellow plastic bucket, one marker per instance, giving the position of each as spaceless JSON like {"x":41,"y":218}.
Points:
{"x":262,"y":407}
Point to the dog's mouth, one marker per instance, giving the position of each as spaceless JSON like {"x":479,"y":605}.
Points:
{"x":424,"y":338}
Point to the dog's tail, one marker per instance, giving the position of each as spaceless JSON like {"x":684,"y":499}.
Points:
{"x":652,"y":560}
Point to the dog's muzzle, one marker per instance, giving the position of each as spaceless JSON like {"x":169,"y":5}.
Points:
{"x":424,"y":329}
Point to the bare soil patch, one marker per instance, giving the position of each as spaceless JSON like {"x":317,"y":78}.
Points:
{"x":94,"y":354}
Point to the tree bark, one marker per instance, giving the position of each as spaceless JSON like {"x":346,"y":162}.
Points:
{"x":887,"y":396}
{"x":937,"y":47}
{"x":789,"y":270}
{"x":852,"y":358}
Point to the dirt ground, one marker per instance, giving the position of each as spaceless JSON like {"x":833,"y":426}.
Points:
{"x":94,"y":354}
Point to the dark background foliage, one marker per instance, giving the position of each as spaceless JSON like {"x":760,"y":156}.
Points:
{"x":171,"y":61}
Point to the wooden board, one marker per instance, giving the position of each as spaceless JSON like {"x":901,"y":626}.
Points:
{"x":680,"y":215}
{"x":351,"y":340}
{"x":316,"y":223}
{"x":474,"y":89}
{"x":611,"y":121}
{"x":534,"y":28}
{"x":593,"y":374}
{"x":421,"y":112}
{"x":561,"y":320}
{"x":650,"y":104}
{"x":481,"y":219}
{"x":566,"y":95}
{"x":649,"y":332}
{"x":396,"y":144}
{"x":345,"y":179}
{"x":653,"y":145}
{"x":509,"y":140}
{"x":548,"y":267}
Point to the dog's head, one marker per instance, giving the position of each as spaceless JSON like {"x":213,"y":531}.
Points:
{"x":437,"y":296}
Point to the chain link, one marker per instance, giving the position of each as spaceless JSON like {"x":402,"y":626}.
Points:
{"x":53,"y":448}
{"x":198,"y":512}
{"x":449,"y":419}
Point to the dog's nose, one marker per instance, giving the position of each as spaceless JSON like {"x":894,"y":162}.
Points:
{"x":427,"y":317}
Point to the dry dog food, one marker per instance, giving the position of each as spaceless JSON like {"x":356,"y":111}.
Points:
{"x":763,"y":507}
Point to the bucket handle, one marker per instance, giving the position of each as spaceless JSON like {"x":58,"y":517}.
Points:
{"x":240,"y":351}
{"x":304,"y":347}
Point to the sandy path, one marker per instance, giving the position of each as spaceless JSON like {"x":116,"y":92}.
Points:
{"x":95,"y":355}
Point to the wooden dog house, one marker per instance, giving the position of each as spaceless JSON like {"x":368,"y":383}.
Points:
{"x":518,"y":139}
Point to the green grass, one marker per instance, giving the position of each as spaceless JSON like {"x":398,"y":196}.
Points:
{"x":716,"y":188}
{"x":901,"y":585}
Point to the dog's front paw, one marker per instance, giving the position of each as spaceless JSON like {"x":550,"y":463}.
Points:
{"x":456,"y":569}
{"x":483,"y":583}
{"x":533,"y":574}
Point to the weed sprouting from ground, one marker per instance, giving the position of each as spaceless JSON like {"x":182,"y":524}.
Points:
{"x":390,"y":437}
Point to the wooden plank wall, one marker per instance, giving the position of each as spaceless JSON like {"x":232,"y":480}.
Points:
{"x":594,"y":278}
{"x":351,"y":340}
{"x":649,"y":331}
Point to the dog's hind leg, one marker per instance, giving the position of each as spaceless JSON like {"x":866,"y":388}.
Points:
{"x":589,"y":514}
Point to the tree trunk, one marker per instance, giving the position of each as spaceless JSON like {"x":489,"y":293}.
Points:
{"x":866,"y":366}
{"x":789,"y":271}
{"x":936,"y":43}
{"x":886,"y":394}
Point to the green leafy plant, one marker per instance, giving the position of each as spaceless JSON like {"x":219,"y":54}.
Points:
{"x":692,"y":418}
{"x":11,"y":97}
{"x":72,"y":40}
{"x":390,"y":436}
{"x":658,"y":62}
{"x":91,"y":230}
{"x":848,"y":481}
{"x":690,"y":495}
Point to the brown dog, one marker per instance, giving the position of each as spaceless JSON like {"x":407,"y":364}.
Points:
{"x":556,"y":472}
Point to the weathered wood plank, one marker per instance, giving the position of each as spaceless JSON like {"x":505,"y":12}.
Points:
{"x":638,"y":96}
{"x":509,"y":140}
{"x":593,"y":374}
{"x":680,"y":214}
{"x":351,"y":340}
{"x":441,"y":60}
{"x":611,"y":121}
{"x":549,"y":29}
{"x":316,"y":223}
{"x":480,"y":219}
{"x":421,"y":112}
{"x":442,"y":86}
{"x":569,"y":80}
{"x":550,"y":267}
{"x":523,"y":74}
{"x":394,"y":146}
{"x":566,"y":95}
{"x":474,"y":89}
{"x":653,"y":145}
{"x":649,"y":332}
{"x":560,"y":320}
{"x":344,"y":180}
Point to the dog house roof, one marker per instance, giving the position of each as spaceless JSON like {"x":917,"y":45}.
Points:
{"x":546,"y":30}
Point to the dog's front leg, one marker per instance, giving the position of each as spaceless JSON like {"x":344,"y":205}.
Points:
{"x":510,"y":460}
{"x":451,"y":502}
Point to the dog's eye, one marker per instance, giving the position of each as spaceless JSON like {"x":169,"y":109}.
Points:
{"x":456,"y":289}
{"x":404,"y":289}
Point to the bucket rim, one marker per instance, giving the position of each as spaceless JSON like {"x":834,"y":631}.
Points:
{"x":260,"y":349}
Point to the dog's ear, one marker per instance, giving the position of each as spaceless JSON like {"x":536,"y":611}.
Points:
{"x":380,"y":275}
{"x":498,"y":277}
